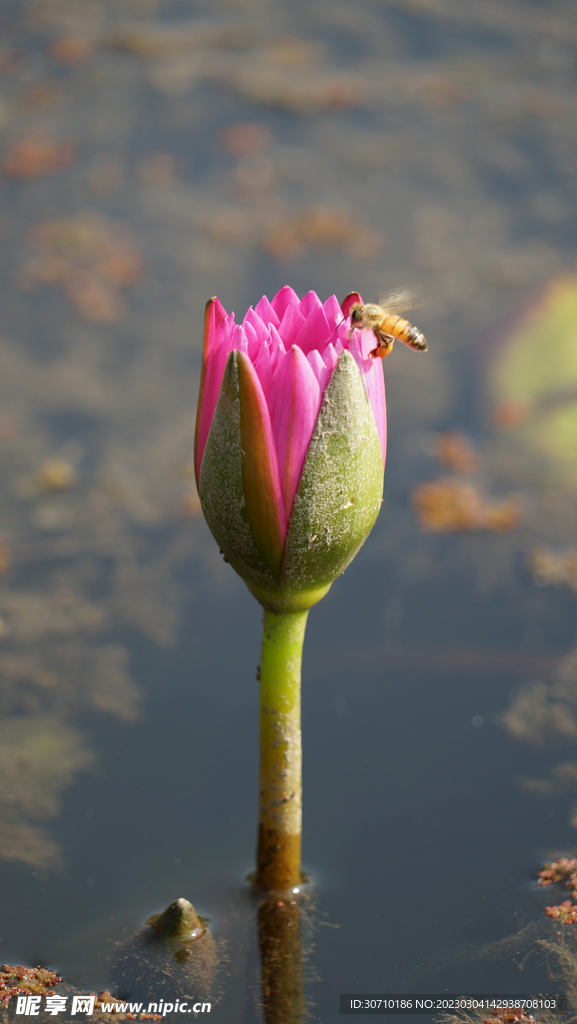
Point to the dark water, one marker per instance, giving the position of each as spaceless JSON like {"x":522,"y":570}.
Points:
{"x":441,"y":137}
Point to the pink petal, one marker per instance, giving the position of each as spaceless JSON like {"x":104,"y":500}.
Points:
{"x":331,"y":355}
{"x":333,"y":311}
{"x":376,"y":392}
{"x":264,"y":310}
{"x":215,"y":352}
{"x":238,"y":339}
{"x":309,"y":303}
{"x":294,"y":399}
{"x":349,"y":301}
{"x":290,"y":325}
{"x":316,"y":330}
{"x":367,"y":343}
{"x":322,"y":370}
{"x":253,"y":341}
{"x":284,"y":298}
{"x":256,"y":323}
{"x":267,"y":512}
{"x":264,"y":367}
{"x":276,"y":348}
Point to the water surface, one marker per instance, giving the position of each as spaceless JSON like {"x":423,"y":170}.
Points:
{"x":329,"y":146}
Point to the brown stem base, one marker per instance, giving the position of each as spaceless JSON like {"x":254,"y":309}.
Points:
{"x":278,"y":860}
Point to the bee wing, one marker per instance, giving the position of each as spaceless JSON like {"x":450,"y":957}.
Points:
{"x":401,"y":299}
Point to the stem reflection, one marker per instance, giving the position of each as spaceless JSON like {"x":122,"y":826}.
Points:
{"x":280,"y":940}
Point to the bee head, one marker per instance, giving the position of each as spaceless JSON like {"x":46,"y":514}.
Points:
{"x":355,"y":314}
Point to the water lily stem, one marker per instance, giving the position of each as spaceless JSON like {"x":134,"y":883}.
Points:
{"x":280,"y":817}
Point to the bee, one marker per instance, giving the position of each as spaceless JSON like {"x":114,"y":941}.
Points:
{"x":386,"y":325}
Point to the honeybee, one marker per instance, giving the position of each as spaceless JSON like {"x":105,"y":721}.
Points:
{"x":386,"y":325}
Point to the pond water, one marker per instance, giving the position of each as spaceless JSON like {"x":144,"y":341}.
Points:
{"x":154,"y":154}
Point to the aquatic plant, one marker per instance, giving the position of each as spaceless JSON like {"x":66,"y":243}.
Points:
{"x":562,"y":870}
{"x":289,"y":459}
{"x":565,"y":912}
{"x":16,"y":981}
{"x":509,"y":1015}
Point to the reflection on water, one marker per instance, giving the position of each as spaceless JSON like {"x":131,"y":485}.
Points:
{"x":535,"y":403}
{"x":154,"y":153}
{"x":537,"y":396}
{"x":40,"y":757}
{"x":542,"y":710}
{"x":559,"y":949}
{"x":279,"y":930}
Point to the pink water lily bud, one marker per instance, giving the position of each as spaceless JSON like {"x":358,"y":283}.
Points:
{"x":290,"y":443}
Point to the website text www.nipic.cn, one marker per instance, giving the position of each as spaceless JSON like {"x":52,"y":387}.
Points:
{"x":54,"y":1004}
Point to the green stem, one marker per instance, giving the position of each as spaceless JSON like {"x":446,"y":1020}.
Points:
{"x":279,"y":837}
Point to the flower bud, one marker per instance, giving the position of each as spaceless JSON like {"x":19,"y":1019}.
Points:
{"x":290,"y":443}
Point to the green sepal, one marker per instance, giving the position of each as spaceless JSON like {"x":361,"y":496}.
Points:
{"x":340,"y":490}
{"x":221,"y":489}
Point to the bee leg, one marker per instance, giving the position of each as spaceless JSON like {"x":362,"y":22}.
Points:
{"x":384,"y":346}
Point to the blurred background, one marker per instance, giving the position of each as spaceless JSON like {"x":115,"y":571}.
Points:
{"x":152,"y":154}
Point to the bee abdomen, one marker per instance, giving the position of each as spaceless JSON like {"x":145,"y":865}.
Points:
{"x":417,"y":339}
{"x":408,"y":333}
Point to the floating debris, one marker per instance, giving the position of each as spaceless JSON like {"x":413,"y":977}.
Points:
{"x":152,"y":39}
{"x":11,"y":62}
{"x":321,"y":225}
{"x":245,"y":137}
{"x":554,"y":568}
{"x":37,"y":156}
{"x":158,"y":169}
{"x":227,"y":224}
{"x":105,"y":176}
{"x":456,"y":452}
{"x":72,"y":49}
{"x":305,"y":93}
{"x":563,"y":872}
{"x":57,"y":475}
{"x":44,"y":94}
{"x":446,"y":506}
{"x":90,"y":258}
{"x":440,"y":90}
{"x":8,"y":427}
